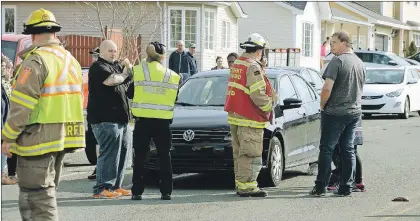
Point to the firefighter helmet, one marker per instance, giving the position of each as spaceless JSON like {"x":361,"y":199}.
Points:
{"x":254,"y":40}
{"x":41,"y":21}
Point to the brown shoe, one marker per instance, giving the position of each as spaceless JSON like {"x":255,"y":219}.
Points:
{"x":106,"y":194}
{"x":123,"y":192}
{"x":6,"y":180}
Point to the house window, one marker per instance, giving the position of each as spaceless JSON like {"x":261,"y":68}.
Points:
{"x":307,"y":39}
{"x":416,"y":39}
{"x":8,"y":25}
{"x":183,"y":25}
{"x":226,"y":34}
{"x":209,"y":28}
{"x":362,"y":42}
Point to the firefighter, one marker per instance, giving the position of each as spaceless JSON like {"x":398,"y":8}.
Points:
{"x":46,"y":116}
{"x":155,"y":90}
{"x":249,"y":103}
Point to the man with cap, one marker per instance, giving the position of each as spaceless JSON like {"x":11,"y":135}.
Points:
{"x":154,"y":92}
{"x":46,"y":116}
{"x":191,"y":60}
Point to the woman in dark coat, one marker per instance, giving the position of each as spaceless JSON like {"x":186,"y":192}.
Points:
{"x":335,"y":174}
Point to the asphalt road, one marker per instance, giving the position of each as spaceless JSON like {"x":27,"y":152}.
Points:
{"x":390,"y":165}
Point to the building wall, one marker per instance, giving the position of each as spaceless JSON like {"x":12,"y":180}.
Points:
{"x":410,"y":12}
{"x":310,"y":15}
{"x":387,"y":9}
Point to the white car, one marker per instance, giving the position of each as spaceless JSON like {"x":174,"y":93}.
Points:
{"x":391,"y":90}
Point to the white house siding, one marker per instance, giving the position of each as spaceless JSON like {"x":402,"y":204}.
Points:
{"x":410,"y":12}
{"x":310,"y":15}
{"x":225,"y":14}
{"x":374,"y":6}
{"x":268,"y":19}
{"x":65,"y":15}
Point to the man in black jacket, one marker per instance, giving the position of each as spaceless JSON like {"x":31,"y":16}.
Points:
{"x":108,"y":113}
{"x":191,"y":60}
{"x":178,"y":61}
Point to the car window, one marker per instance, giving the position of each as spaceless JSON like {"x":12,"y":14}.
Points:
{"x":365,"y":57}
{"x":305,"y":74}
{"x":9,"y":49}
{"x":286,"y":89}
{"x":415,"y":74}
{"x":316,"y":78}
{"x":302,"y":89}
{"x":380,"y":59}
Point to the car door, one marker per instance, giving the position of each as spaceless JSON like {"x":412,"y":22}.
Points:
{"x":292,"y":122}
{"x":319,"y":82}
{"x":312,"y":128}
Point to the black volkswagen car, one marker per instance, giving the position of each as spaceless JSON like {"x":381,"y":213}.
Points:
{"x":201,"y":138}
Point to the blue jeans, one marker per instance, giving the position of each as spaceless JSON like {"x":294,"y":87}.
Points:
{"x":337,"y":129}
{"x":114,"y":139}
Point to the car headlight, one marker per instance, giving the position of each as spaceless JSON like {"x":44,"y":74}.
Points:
{"x":228,"y":137}
{"x":395,"y":93}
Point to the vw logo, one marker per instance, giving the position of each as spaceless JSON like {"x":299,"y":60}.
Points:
{"x":188,"y":135}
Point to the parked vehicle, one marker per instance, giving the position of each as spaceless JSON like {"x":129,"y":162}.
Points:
{"x":202,"y":141}
{"x":412,"y":62}
{"x":391,"y":90}
{"x":415,"y":56}
{"x":11,"y":45}
{"x":377,"y":57}
{"x":310,"y":75}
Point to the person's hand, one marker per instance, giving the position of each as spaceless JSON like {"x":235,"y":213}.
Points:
{"x":126,"y":62}
{"x":5,"y":148}
{"x":264,"y":62}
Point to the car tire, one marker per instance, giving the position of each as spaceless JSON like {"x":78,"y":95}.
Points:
{"x":272,"y":175}
{"x":91,"y":143}
{"x":406,"y":113}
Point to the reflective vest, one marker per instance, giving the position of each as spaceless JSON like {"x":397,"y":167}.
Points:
{"x":61,"y":101}
{"x":238,"y":99}
{"x":155,"y":93}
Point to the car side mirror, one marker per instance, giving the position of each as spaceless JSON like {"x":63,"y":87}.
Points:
{"x":393,"y":63}
{"x":291,"y":103}
{"x":413,"y":81}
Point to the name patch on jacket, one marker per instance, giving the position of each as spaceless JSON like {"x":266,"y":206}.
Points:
{"x":74,"y":130}
{"x":154,"y":90}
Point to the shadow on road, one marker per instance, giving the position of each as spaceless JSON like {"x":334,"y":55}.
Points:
{"x":386,"y":117}
{"x":188,"y":189}
{"x":394,"y":216}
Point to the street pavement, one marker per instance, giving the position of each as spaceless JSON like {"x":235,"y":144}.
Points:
{"x":390,"y":168}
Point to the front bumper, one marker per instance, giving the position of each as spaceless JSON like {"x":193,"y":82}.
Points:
{"x":383,"y":105}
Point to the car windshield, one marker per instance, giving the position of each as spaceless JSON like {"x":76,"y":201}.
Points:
{"x":205,"y":91}
{"x":380,"y":76}
{"x":399,"y":60}
{"x":9,"y":48}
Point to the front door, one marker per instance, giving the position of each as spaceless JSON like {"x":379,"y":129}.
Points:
{"x":293,"y":121}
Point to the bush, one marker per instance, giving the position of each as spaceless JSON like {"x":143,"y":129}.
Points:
{"x":412,"y":49}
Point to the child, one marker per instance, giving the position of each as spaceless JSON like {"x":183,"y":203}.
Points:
{"x":335,"y":174}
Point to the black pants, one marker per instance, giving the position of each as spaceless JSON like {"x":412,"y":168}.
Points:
{"x":11,"y":165}
{"x":158,"y":130}
{"x":335,"y":174}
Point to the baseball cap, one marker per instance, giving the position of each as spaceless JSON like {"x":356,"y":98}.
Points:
{"x":95,"y":51}
{"x":192,"y":45}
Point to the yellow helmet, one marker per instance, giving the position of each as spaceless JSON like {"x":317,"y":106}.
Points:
{"x":41,"y":21}
{"x":254,"y":40}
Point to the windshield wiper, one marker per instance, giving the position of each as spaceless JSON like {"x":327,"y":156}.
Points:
{"x":214,"y":105}
{"x":185,"y":104}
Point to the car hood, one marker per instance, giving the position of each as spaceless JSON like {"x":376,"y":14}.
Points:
{"x":380,"y":89}
{"x":199,"y":117}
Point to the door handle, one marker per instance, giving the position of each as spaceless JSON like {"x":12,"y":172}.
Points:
{"x":304,"y":114}
{"x":319,"y":110}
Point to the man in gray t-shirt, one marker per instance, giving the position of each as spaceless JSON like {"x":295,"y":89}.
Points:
{"x":341,"y":110}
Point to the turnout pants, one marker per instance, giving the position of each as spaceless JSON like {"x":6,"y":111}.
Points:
{"x":145,"y":130}
{"x":247,"y":144}
{"x":38,"y":180}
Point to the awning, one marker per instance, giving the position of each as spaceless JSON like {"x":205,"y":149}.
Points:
{"x":414,"y":25}
{"x":341,"y":16}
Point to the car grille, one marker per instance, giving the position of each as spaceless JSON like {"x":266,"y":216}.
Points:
{"x":372,"y":97}
{"x":372,"y":107}
{"x":200,"y":136}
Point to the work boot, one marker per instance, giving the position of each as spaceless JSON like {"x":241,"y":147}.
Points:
{"x":256,"y":193}
{"x":6,"y":180}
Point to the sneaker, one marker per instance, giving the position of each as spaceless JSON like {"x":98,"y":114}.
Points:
{"x":341,"y":194}
{"x":315,"y":192}
{"x":6,"y":180}
{"x":165,"y":197}
{"x":359,"y":187}
{"x":332,"y":187}
{"x":123,"y":192}
{"x":106,"y":194}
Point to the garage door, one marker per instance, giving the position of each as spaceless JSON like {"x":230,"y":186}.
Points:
{"x":380,"y":42}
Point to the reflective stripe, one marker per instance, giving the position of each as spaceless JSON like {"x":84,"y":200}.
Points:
{"x":247,"y":123}
{"x":61,"y":89}
{"x":156,"y":84}
{"x":167,"y":76}
{"x":23,"y":99}
{"x":256,"y":86}
{"x":44,"y":148}
{"x":267,"y":107}
{"x":52,"y":50}
{"x":247,"y":186}
{"x":64,"y":73}
{"x":153,"y":106}
{"x":237,"y":61}
{"x":145,"y":71}
{"x":238,"y":86}
{"x":9,"y":132}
